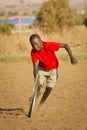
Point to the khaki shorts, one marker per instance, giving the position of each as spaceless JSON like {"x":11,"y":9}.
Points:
{"x":50,"y":77}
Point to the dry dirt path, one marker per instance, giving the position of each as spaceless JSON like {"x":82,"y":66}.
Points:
{"x":65,"y":109}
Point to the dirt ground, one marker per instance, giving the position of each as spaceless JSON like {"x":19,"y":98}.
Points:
{"x":65,"y":108}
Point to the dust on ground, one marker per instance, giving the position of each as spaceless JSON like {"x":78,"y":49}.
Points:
{"x":65,"y":108}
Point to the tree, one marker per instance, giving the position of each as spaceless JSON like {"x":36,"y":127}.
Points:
{"x":54,"y":14}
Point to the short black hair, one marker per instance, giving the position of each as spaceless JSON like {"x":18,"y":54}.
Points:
{"x":33,"y":36}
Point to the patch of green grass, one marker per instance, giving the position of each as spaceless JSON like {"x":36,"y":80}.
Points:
{"x":80,"y":52}
{"x":14,"y":58}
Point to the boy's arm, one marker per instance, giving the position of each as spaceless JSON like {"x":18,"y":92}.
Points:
{"x":72,"y":58}
{"x":35,"y":69}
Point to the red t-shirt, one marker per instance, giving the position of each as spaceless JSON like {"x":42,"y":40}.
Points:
{"x":46,"y":57}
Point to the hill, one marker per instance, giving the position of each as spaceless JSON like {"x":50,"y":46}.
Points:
{"x":4,"y":3}
{"x":31,"y":7}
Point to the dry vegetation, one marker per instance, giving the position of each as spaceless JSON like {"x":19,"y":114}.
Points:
{"x":16,"y":46}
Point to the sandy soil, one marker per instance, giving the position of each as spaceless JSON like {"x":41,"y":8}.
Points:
{"x":65,"y":109}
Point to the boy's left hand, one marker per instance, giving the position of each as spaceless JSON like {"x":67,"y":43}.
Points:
{"x":74,"y":61}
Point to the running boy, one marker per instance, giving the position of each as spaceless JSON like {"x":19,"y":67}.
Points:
{"x":45,"y":62}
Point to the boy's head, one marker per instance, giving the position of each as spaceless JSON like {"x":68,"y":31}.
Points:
{"x":36,"y":42}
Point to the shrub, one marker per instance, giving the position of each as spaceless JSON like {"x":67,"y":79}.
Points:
{"x":6,"y":28}
{"x":54,"y":14}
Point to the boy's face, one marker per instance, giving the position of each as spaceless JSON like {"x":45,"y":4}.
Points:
{"x":37,"y":44}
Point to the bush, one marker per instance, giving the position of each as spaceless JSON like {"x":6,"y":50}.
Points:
{"x":54,"y":14}
{"x":6,"y":28}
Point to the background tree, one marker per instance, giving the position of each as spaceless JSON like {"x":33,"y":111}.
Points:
{"x":54,"y":14}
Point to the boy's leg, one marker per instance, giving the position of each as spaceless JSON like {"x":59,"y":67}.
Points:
{"x":51,"y":81}
{"x":42,"y":78}
{"x":45,"y":95}
{"x":38,"y":91}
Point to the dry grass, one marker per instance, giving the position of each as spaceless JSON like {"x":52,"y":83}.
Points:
{"x":16,"y":46}
{"x":74,"y":37}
